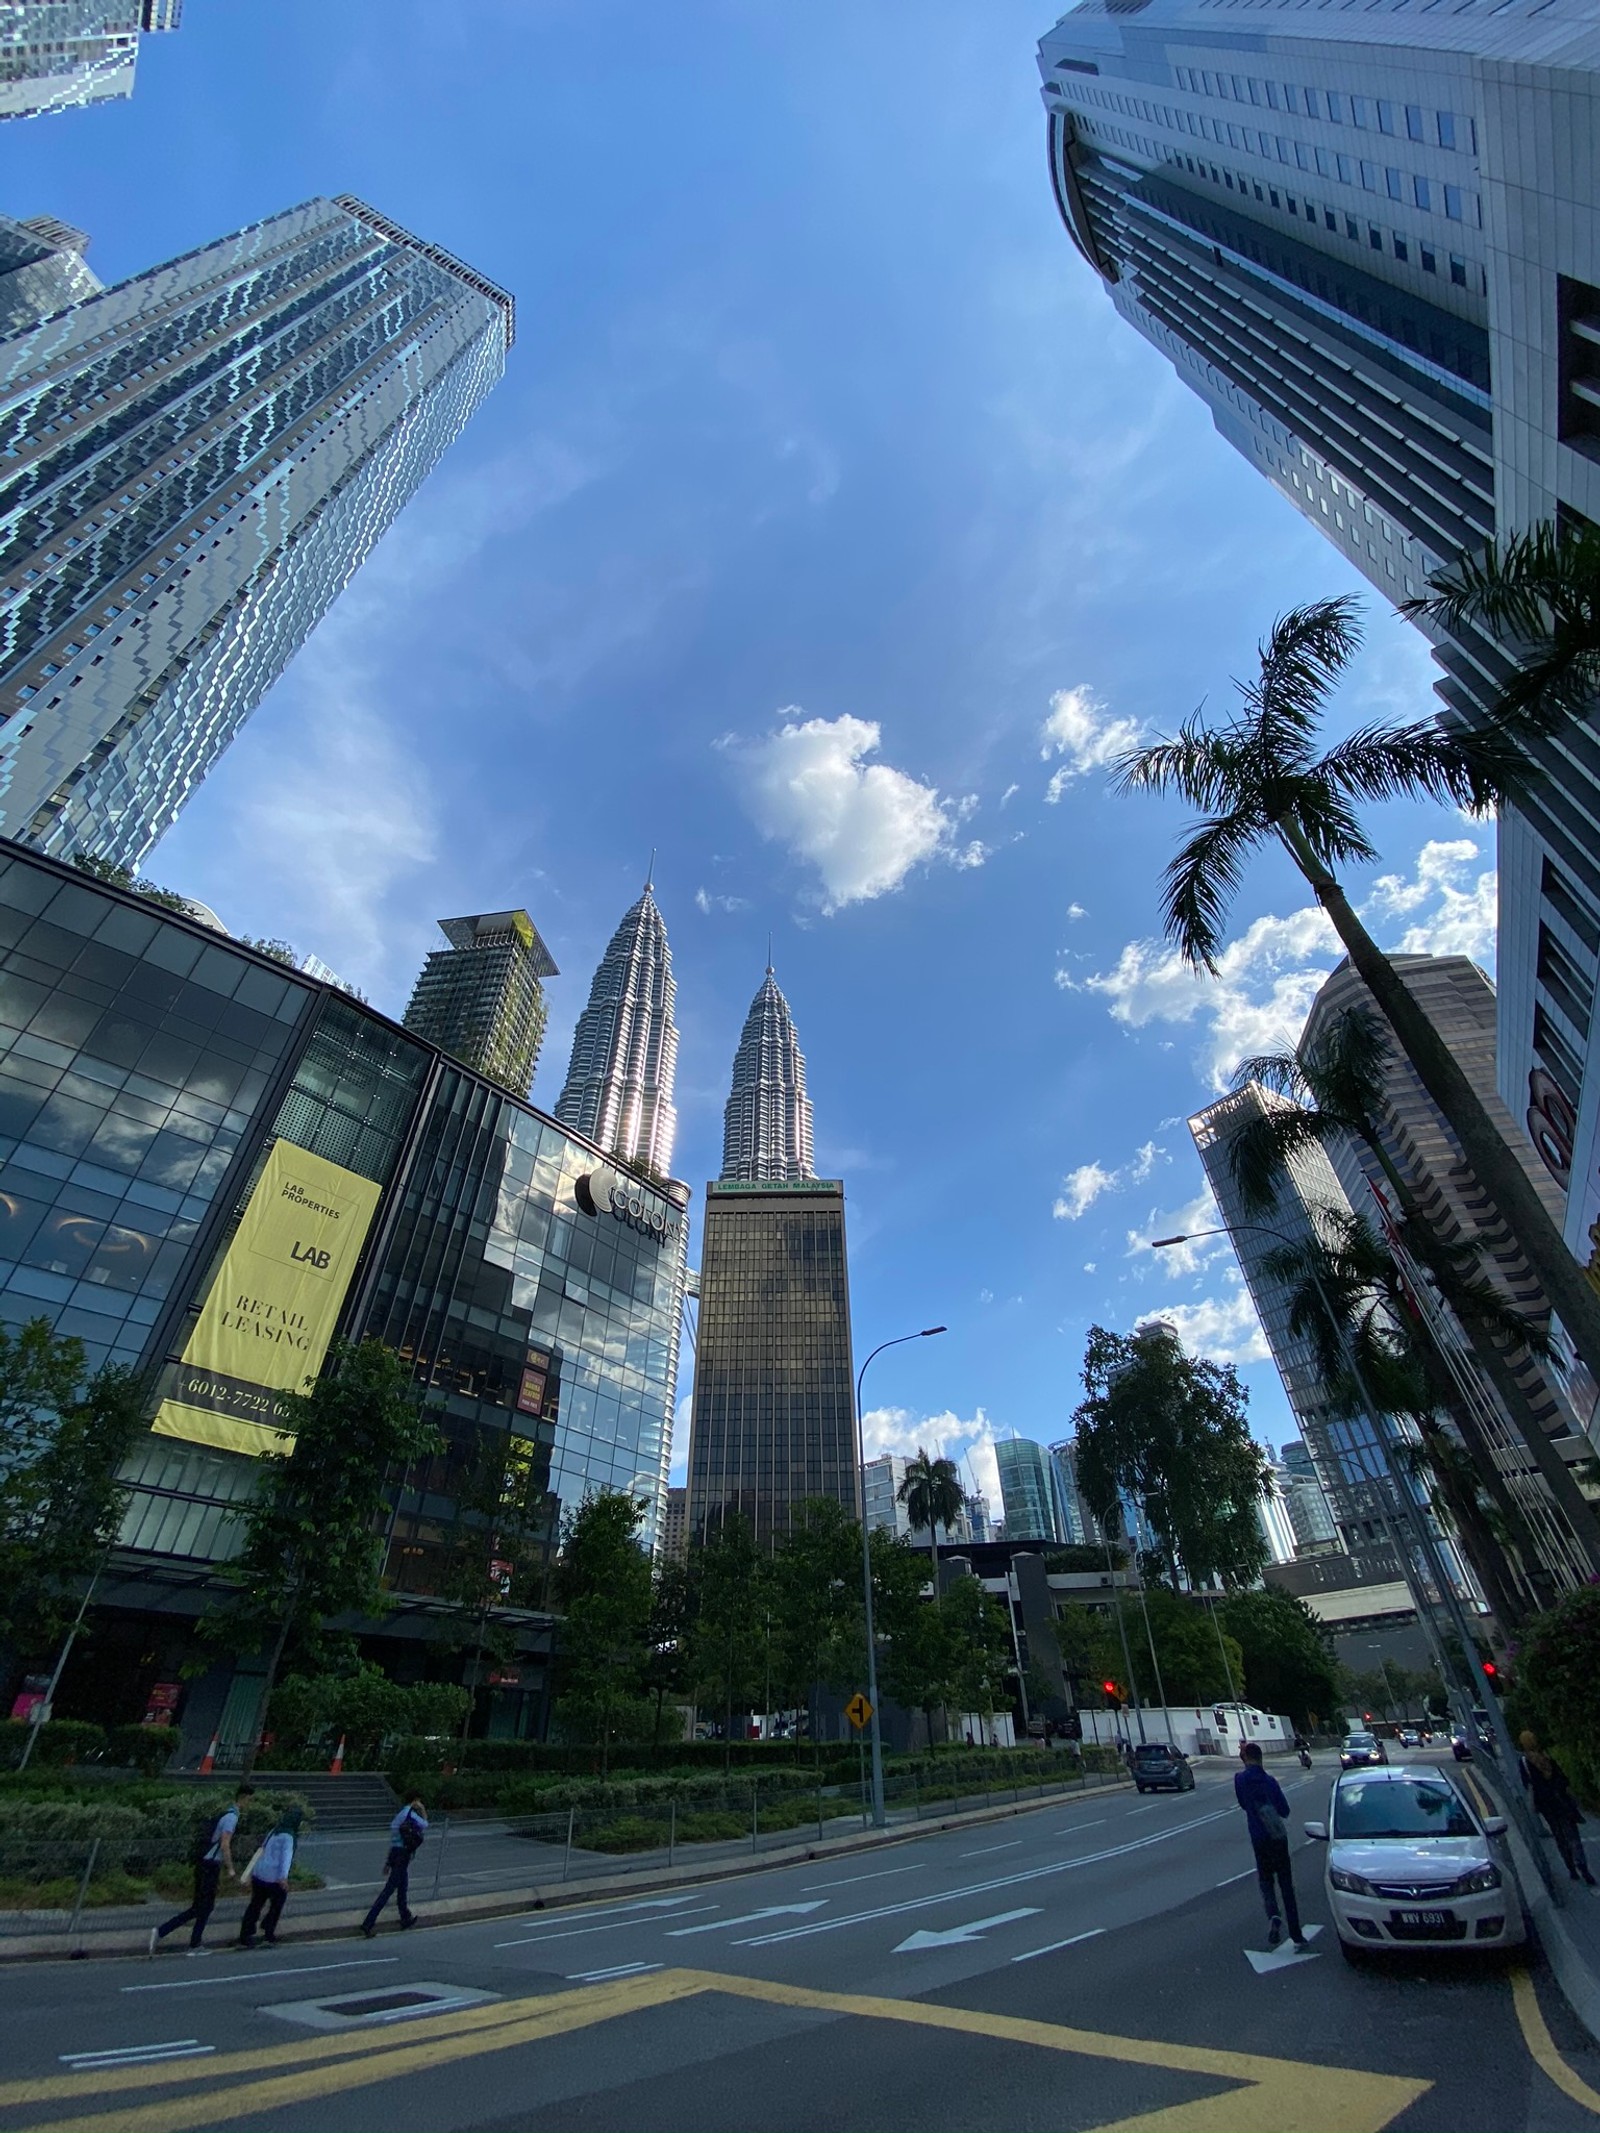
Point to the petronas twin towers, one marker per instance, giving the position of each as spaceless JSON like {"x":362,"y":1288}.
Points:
{"x":624,"y":1062}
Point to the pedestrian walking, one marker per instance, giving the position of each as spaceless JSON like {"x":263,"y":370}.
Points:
{"x":1267,"y":1817}
{"x":268,"y":1876}
{"x":406,"y":1833}
{"x":215,"y":1853}
{"x":1553,"y":1798}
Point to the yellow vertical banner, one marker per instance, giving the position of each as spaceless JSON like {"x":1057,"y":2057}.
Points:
{"x":270,"y":1313}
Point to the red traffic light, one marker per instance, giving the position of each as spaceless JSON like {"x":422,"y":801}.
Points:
{"x":1490,"y":1669}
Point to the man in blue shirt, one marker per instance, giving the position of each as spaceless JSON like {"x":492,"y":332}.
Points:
{"x":214,"y":1856}
{"x":269,"y":1880}
{"x":1267,"y":1818}
{"x":406,"y":1833}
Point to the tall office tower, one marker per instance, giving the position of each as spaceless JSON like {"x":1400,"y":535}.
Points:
{"x":55,"y":54}
{"x":1345,"y":1452}
{"x":1277,"y":1527}
{"x":1370,"y":242}
{"x":767,"y":1126}
{"x":978,"y":1516}
{"x":482,"y":998}
{"x":625,"y":1052}
{"x":1073,"y":1519}
{"x":195,"y":462}
{"x":1025,"y":1490}
{"x":673,"y":1545}
{"x":1302,"y":1493}
{"x":1460,"y":1002}
{"x":42,"y":269}
{"x":882,"y":1507}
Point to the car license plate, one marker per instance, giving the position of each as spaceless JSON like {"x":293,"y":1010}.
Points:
{"x":1422,"y":1918}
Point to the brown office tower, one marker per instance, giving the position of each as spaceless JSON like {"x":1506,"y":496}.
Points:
{"x":773,"y":1419}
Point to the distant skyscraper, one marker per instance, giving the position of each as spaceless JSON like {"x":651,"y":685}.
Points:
{"x":482,"y":1000}
{"x":55,"y":54}
{"x":1277,"y":1527}
{"x":1307,"y":1506}
{"x":625,"y":1051}
{"x":1025,"y":1490}
{"x":674,"y":1542}
{"x":883,"y":1508}
{"x":767,"y":1126}
{"x":42,"y":269}
{"x":194,"y":464}
{"x":1073,"y":1520}
{"x":1369,"y":240}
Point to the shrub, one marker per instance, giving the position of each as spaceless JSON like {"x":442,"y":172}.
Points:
{"x":1557,"y":1689}
{"x":62,"y":1741}
{"x":147,"y":1749}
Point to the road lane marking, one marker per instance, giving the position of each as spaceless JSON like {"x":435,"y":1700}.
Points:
{"x":254,"y":1975}
{"x":1099,"y":1822}
{"x":984,"y":1850}
{"x":135,"y":2055}
{"x":983,"y":1888}
{"x":883,"y":1874}
{"x":582,"y":1932}
{"x":603,"y":1977}
{"x":1148,"y":1808}
{"x":1271,"y":2093}
{"x":955,"y":1935}
{"x":1243,"y":1875}
{"x":1093,"y":1933}
{"x":750,"y":1918}
{"x":1286,"y":1956}
{"x":1542,"y":2046}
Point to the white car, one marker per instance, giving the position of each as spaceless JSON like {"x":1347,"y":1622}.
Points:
{"x":1410,"y":1865}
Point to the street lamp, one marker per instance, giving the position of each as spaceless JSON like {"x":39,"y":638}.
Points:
{"x":879,"y":1818}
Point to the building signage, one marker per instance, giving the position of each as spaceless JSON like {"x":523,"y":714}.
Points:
{"x":272,"y":1307}
{"x":608,"y":1192}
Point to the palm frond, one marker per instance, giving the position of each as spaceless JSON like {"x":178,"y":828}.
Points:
{"x":1301,"y":658}
{"x":1343,"y":1066}
{"x":1260,"y":1152}
{"x":1280,"y":1072}
{"x":1203,"y":765}
{"x":1325,"y":819}
{"x":1472,"y":769}
{"x":1202,"y":880}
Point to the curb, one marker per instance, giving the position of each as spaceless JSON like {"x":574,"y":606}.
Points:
{"x":1579,"y":1985}
{"x":559,"y":1895}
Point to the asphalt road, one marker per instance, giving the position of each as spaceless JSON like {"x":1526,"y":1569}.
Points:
{"x":1085,"y":1964}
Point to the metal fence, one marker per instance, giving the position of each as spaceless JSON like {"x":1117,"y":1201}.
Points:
{"x":71,"y":1891}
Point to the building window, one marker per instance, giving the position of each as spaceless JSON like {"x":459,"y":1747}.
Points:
{"x":1429,"y":258}
{"x":1452,"y":202}
{"x":1401,"y":249}
{"x":1394,"y":184}
{"x":1447,"y":128}
{"x":1352,"y":228}
{"x":1414,"y":122}
{"x":1458,"y":270}
{"x":1422,"y":193}
{"x":1374,"y":237}
{"x":1578,"y":330}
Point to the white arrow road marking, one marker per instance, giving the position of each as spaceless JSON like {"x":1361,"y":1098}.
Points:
{"x":975,"y":1931}
{"x":582,"y":1932}
{"x":1283,"y":1957}
{"x":984,"y":1888}
{"x":1093,"y":1933}
{"x":750,"y":1918}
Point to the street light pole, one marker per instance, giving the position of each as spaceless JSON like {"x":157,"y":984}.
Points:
{"x":879,"y":1817}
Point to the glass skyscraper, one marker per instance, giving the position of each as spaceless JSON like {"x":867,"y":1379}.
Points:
{"x":1025,"y":1490}
{"x":1369,"y":240}
{"x":194,"y":464}
{"x":624,"y":1062}
{"x":767,"y":1126}
{"x":481,"y":999}
{"x":56,"y":54}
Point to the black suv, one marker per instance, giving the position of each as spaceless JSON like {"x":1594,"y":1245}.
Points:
{"x":1154,"y":1764}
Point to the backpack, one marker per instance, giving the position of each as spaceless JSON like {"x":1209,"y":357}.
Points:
{"x":410,"y":1836}
{"x":1272,"y":1823}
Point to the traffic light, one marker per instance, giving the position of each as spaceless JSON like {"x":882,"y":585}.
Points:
{"x":1491,"y":1673}
{"x":1113,"y":1693}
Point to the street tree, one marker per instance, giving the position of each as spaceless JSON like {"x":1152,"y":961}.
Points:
{"x":1258,"y":780}
{"x":977,"y":1654}
{"x":311,"y":1541}
{"x":728,"y":1641}
{"x":1331,"y":1091}
{"x":932,"y":1495}
{"x":603,"y":1593}
{"x":65,"y":1433}
{"x":498,"y":1548}
{"x":816,"y":1606}
{"x":1285,"y":1652}
{"x":666,"y":1666}
{"x":1168,"y":1431}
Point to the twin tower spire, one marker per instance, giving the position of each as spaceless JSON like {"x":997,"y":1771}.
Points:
{"x":619,"y":1084}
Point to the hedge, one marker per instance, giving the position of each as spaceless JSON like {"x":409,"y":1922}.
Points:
{"x":72,"y":1742}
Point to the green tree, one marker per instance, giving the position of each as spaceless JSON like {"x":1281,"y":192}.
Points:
{"x":1286,"y":1654}
{"x":912,"y":1657}
{"x":311,"y":1545}
{"x":978,"y":1655}
{"x":1258,"y":780}
{"x":931,"y":1493}
{"x":816,"y":1604}
{"x":497,"y":1549}
{"x":666,"y":1667}
{"x":1557,"y":1685}
{"x":602,"y":1588}
{"x":64,"y":1436}
{"x":731,"y":1580}
{"x":1333,"y":1090}
{"x":1169,"y":1431}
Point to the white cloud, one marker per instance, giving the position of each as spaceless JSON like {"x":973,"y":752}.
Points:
{"x":1225,"y":1328}
{"x":944,"y":1436}
{"x":707,"y":900}
{"x":862,"y":825}
{"x":1075,"y":912}
{"x":1200,"y":1213}
{"x":970,"y":855}
{"x":1009,"y":794}
{"x":1080,"y":729}
{"x":1080,"y":1188}
{"x":1267,"y":979}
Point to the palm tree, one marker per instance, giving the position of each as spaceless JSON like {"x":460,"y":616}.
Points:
{"x":933,"y":1497}
{"x":1259,"y":780}
{"x":1334,"y":1089}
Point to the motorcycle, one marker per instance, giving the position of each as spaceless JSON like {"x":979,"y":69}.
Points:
{"x":1305,"y":1758}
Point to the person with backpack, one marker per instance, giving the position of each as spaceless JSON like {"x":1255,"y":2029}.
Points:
{"x":406,"y":1833}
{"x":1267,"y":1818}
{"x":213,"y":1852}
{"x":268,"y":1876}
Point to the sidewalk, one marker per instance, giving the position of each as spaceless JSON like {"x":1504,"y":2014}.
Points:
{"x":310,"y":1917}
{"x":1565,"y":1914}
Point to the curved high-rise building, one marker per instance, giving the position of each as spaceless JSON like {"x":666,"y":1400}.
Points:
{"x":766,"y":1132}
{"x":625,"y":1051}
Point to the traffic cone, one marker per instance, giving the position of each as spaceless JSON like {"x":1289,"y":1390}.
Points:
{"x":208,"y":1761}
{"x":336,"y":1767}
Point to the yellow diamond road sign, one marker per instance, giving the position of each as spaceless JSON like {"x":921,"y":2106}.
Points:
{"x":858,"y":1710}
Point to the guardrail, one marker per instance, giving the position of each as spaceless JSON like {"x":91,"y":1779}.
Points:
{"x":69,"y":1893}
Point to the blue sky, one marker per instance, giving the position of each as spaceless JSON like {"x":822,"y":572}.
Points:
{"x":827,"y":532}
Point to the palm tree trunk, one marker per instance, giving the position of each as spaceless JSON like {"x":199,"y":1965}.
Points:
{"x":1494,"y":1165}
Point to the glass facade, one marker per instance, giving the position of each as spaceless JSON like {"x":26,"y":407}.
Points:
{"x":1025,"y":1490}
{"x":57,"y":54}
{"x":482,"y":998}
{"x":194,"y":463}
{"x":773,"y":1417}
{"x":147,"y":1069}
